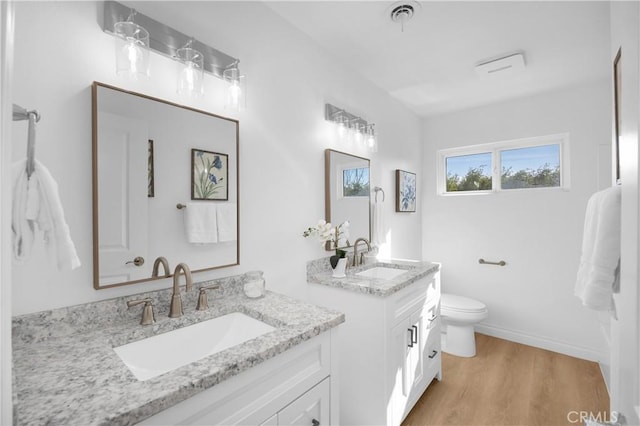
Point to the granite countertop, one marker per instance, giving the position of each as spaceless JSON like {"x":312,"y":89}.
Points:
{"x":317,"y":273}
{"x":72,"y":376}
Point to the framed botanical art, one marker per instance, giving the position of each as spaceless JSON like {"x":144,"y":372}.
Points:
{"x":209,"y":175}
{"x":405,"y":191}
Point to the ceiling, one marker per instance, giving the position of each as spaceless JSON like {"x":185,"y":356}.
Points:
{"x":429,"y":65}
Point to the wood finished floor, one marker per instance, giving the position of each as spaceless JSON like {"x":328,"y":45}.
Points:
{"x":508,"y":383}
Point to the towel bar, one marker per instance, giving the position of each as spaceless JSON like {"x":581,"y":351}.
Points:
{"x":484,"y":262}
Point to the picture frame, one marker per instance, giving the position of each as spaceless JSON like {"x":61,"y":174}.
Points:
{"x":209,"y":175}
{"x":617,"y":103}
{"x":405,"y":191}
{"x":151,"y":185}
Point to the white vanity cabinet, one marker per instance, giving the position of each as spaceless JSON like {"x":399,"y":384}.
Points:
{"x":296,"y":387}
{"x":389,"y":349}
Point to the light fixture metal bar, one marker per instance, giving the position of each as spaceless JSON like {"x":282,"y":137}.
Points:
{"x":332,"y":112}
{"x":164,"y":39}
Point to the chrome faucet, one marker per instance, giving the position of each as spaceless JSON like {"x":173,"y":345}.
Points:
{"x":156,"y":266}
{"x":175,"y":311}
{"x":355,"y":251}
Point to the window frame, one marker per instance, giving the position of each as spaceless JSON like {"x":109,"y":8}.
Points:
{"x":495,"y":148}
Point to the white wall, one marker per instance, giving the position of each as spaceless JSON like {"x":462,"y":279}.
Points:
{"x":61,"y":50}
{"x":538,"y":232}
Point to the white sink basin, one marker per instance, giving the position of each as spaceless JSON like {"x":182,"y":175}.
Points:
{"x":159,"y":354}
{"x":381,"y":273}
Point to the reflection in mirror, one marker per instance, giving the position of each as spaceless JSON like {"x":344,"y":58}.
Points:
{"x":347,"y":193}
{"x":147,"y":156}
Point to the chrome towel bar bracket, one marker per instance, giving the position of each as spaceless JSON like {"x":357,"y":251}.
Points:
{"x":484,"y":262}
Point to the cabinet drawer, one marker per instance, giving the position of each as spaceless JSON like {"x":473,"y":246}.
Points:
{"x":311,"y":409}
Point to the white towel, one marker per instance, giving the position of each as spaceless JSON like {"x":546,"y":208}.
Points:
{"x":227,"y":222}
{"x":379,"y":235}
{"x":36,"y":201}
{"x":200,"y":224}
{"x":600,"y":258}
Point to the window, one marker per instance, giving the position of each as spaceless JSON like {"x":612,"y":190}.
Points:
{"x":534,"y":167}
{"x":531,"y":163}
{"x":355,"y":182}
{"x":469,"y":172}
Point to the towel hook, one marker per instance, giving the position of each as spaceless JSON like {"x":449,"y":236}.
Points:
{"x":378,"y":189}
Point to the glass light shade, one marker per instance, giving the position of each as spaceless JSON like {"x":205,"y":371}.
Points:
{"x":132,"y":50}
{"x":190,"y":72}
{"x":343,"y":125}
{"x":358,"y":129}
{"x":371,"y":141}
{"x":235,"y":93}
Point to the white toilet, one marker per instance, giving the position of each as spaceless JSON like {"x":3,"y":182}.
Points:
{"x":459,"y":314}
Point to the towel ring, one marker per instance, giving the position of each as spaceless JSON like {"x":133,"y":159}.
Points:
{"x":378,"y":189}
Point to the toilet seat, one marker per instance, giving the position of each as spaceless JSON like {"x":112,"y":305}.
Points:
{"x":455,"y":303}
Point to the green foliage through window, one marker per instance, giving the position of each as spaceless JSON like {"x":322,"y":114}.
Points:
{"x":474,"y":180}
{"x":355,"y":182}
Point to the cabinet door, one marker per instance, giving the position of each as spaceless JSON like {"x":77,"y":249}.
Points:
{"x":399,"y":351}
{"x":415,"y":367}
{"x":311,"y":409}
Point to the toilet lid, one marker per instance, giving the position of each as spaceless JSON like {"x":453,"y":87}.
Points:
{"x":462,"y":304}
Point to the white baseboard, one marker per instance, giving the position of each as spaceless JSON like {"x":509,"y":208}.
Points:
{"x":541,"y":342}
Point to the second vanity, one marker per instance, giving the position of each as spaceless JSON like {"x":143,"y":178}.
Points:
{"x":67,"y":372}
{"x":389,"y":347}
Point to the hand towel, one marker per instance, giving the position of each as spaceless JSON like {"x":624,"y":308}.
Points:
{"x":227,"y":222}
{"x":379,"y":234}
{"x":36,"y":201}
{"x":200,"y":223}
{"x":600,"y":257}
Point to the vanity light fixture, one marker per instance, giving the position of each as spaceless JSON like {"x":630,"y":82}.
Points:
{"x":132,"y":48}
{"x":362,"y":132}
{"x":190,"y":71}
{"x":194,"y":58}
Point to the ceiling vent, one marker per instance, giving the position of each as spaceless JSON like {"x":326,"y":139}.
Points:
{"x":403,"y":11}
{"x":506,"y":65}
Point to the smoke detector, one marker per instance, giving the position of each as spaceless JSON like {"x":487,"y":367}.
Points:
{"x":403,"y":11}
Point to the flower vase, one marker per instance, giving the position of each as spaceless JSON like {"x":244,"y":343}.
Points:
{"x":339,"y":269}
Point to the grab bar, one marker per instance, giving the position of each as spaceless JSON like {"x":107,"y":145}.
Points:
{"x":484,"y":262}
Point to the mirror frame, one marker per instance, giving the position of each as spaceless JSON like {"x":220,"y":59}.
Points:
{"x":94,"y":173}
{"x":327,"y":191}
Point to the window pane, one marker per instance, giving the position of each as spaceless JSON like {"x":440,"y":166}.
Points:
{"x":535,"y":167}
{"x":469,"y":172}
{"x":355,"y":182}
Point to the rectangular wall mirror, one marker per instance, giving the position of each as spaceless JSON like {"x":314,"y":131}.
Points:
{"x":347,"y":194}
{"x":151,"y":157}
